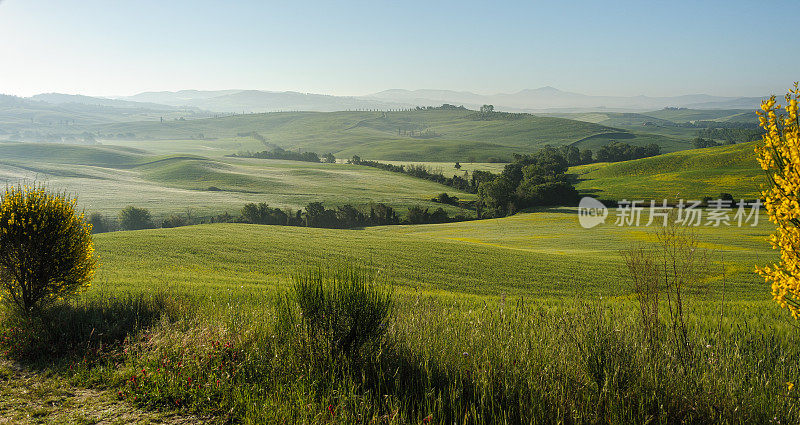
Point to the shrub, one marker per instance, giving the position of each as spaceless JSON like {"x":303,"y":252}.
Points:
{"x":346,"y":310}
{"x":175,"y":221}
{"x":46,"y":249}
{"x":132,"y":218}
{"x":263,"y":214}
{"x":99,"y":223}
{"x":778,"y":156}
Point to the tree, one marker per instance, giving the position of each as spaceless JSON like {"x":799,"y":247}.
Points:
{"x":497,"y":195}
{"x":263,"y":214}
{"x":175,"y":221}
{"x":132,"y":218}
{"x":382,"y":214}
{"x":99,"y":223}
{"x":46,"y":249}
{"x":700,"y":143}
{"x":418,"y":215}
{"x":778,"y":156}
{"x":348,"y":216}
{"x":487,"y":109}
{"x":586,"y":156}
{"x":329,"y":158}
{"x":317,"y":216}
{"x":457,"y":166}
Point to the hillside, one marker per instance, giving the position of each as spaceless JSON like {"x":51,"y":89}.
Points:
{"x":108,"y":178}
{"x":425,"y":135}
{"x":539,"y":255}
{"x":687,"y":174}
{"x":54,"y":114}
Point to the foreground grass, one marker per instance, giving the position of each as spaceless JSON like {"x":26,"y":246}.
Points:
{"x":527,"y":319}
{"x":512,"y":360}
{"x":36,"y":397}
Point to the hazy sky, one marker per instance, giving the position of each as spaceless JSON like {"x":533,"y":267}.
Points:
{"x":109,"y":47}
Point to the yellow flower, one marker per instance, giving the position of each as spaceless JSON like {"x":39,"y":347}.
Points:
{"x":779,"y":155}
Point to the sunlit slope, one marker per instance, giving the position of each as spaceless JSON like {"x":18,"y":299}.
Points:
{"x":685,"y":115}
{"x":106,"y":179}
{"x":438,"y":135}
{"x":538,"y":255}
{"x":671,"y":124}
{"x":688,"y":174}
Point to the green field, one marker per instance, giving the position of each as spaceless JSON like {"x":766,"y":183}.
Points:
{"x":539,"y":255}
{"x":692,"y":174}
{"x":108,"y":178}
{"x":452,"y":134}
{"x":668,"y":124}
{"x":512,"y":320}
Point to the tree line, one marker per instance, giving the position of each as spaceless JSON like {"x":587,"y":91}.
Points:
{"x":280,"y":153}
{"x":731,"y":136}
{"x":315,"y":214}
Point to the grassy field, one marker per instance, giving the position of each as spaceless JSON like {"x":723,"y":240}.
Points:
{"x":451,"y":134}
{"x":496,"y":321}
{"x":524,"y":319}
{"x":108,"y":178}
{"x":691,"y":174}
{"x":663,"y":123}
{"x":538,"y":255}
{"x":515,"y":320}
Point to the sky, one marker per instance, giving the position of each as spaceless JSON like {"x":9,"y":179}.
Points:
{"x":626,"y":48}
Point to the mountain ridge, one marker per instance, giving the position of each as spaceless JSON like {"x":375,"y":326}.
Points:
{"x":538,"y":100}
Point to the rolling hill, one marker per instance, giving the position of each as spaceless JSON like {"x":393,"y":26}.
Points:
{"x":691,"y":174}
{"x":108,"y":178}
{"x":419,"y":135}
{"x":537,"y":255}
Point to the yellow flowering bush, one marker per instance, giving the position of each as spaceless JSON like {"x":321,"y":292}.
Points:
{"x":46,"y":250}
{"x":779,"y":155}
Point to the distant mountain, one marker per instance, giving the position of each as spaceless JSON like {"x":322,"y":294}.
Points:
{"x":551,"y":99}
{"x":544,"y":99}
{"x":264,"y":101}
{"x":61,"y":99}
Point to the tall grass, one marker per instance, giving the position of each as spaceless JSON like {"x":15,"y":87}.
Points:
{"x":256,"y":359}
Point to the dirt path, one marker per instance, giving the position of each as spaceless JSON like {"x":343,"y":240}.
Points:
{"x":28,"y":397}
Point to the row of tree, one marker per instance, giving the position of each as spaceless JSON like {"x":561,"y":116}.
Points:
{"x":280,"y":153}
{"x":314,"y":215}
{"x":731,"y":135}
{"x":618,"y":151}
{"x":422,"y":172}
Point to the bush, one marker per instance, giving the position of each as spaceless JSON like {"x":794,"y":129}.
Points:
{"x":46,"y":249}
{"x":263,"y":214}
{"x":99,"y":223}
{"x":175,"y":221}
{"x":132,"y":218}
{"x":346,"y":310}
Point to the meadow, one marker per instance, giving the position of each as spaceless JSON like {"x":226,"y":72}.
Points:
{"x":439,"y":135}
{"x":692,"y":174}
{"x":107,"y":178}
{"x":543,"y":254}
{"x":524,"y":319}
